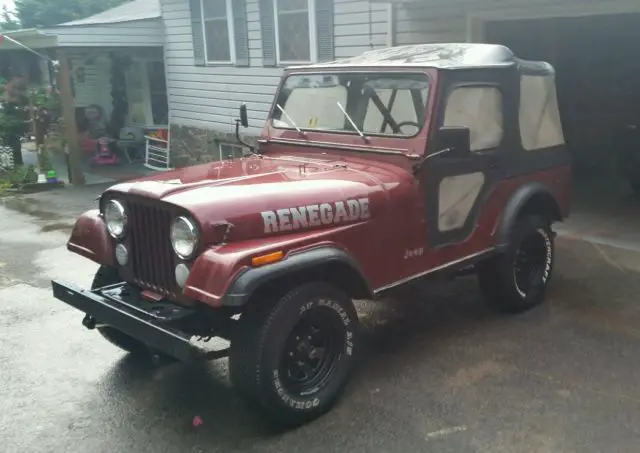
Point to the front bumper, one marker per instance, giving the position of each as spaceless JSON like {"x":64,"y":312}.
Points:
{"x":156,"y":324}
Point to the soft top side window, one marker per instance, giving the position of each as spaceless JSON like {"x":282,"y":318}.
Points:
{"x":479,"y":108}
{"x":540,"y":125}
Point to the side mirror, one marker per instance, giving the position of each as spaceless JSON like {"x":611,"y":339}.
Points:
{"x":244,"y":120}
{"x":456,"y":141}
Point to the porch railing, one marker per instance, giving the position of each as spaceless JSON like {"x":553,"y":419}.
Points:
{"x":157,"y":154}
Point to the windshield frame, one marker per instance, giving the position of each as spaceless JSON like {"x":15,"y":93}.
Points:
{"x":422,"y":72}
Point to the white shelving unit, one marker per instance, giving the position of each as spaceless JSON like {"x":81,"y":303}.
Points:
{"x":157,"y":154}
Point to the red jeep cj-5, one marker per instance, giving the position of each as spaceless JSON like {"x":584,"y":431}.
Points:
{"x":371,"y":172}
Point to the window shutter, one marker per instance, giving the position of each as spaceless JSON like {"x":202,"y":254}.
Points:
{"x":241,"y":33}
{"x":267,"y":26}
{"x":324,"y":29}
{"x":196,"y":32}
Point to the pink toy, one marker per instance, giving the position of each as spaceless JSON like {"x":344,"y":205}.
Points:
{"x":104,"y":156}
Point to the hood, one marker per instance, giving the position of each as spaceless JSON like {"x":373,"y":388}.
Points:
{"x":263,"y":195}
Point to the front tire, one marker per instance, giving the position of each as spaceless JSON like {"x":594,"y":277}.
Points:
{"x":109,"y":276}
{"x":516,"y":280}
{"x":293,"y":359}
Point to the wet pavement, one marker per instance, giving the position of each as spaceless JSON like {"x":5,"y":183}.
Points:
{"x":439,"y":371}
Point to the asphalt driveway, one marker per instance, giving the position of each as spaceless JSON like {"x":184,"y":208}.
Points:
{"x":440,"y":371}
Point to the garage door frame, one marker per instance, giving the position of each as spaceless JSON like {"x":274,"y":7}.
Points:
{"x":477,"y":20}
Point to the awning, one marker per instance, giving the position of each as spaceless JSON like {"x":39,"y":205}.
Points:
{"x":30,"y":37}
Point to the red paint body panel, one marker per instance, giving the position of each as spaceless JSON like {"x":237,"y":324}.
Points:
{"x":89,"y":238}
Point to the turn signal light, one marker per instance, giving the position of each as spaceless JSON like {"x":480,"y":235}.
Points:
{"x":267,"y":259}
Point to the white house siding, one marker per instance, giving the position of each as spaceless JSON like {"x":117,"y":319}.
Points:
{"x":428,"y":21}
{"x":359,"y":26}
{"x":138,"y":33}
{"x":209,"y":97}
{"x":418,"y":24}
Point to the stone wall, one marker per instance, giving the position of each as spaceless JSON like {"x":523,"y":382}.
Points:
{"x":192,"y":145}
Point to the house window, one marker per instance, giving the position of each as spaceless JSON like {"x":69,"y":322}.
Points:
{"x":228,"y":151}
{"x":295,"y":31}
{"x":478,"y":108}
{"x":217,"y":23}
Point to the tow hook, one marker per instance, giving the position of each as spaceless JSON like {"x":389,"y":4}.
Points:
{"x":89,"y":322}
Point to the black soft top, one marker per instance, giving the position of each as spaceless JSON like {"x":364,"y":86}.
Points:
{"x":439,"y":56}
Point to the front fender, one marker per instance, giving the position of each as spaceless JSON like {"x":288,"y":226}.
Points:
{"x":223,"y":280}
{"x":90,"y":239}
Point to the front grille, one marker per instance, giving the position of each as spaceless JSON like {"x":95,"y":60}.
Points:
{"x":152,"y":258}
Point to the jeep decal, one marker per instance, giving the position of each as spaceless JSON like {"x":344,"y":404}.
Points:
{"x":313,"y":215}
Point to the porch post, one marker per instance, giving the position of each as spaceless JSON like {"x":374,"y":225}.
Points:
{"x":69,"y":116}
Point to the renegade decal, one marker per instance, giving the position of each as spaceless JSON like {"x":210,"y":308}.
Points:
{"x":314,"y":215}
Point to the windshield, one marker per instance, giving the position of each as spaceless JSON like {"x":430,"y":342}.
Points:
{"x":358,"y":103}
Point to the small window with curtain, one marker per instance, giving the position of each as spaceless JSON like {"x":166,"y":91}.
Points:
{"x":295,"y":31}
{"x":217,"y":23}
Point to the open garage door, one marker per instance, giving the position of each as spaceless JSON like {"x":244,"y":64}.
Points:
{"x":597,"y":60}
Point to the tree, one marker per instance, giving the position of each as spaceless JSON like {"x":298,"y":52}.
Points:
{"x":8,"y":20}
{"x":45,"y":13}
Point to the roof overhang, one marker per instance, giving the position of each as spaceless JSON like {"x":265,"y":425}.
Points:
{"x":130,"y":11}
{"x":29,"y":37}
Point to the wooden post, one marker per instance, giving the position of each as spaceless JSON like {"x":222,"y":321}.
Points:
{"x":69,"y":117}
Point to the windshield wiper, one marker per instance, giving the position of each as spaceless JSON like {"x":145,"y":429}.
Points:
{"x":293,"y":123}
{"x":352,"y":123}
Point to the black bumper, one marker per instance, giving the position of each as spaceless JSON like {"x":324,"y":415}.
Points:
{"x":119,"y":306}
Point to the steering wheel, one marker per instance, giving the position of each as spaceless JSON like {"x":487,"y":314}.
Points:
{"x":408,"y":123}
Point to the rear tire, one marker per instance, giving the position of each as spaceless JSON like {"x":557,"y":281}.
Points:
{"x":292,"y":359}
{"x":516,"y":280}
{"x":109,"y":276}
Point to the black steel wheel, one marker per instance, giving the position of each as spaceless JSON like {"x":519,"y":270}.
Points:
{"x":516,"y":280}
{"x":311,"y":351}
{"x":293,"y":359}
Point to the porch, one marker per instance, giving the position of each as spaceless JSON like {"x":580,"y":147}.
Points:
{"x":109,"y":78}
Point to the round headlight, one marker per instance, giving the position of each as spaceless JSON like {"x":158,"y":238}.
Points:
{"x":116,"y":218}
{"x":184,"y":237}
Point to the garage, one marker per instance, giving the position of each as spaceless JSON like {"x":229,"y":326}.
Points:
{"x":597,"y":60}
{"x":593,"y":46}
{"x":596,"y":76}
